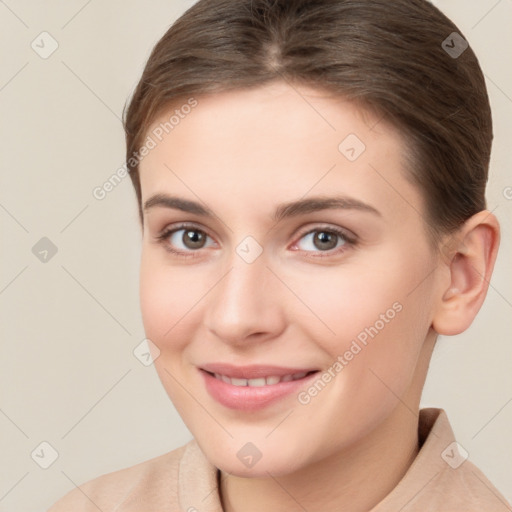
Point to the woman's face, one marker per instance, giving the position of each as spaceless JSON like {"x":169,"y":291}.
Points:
{"x":347,"y":290}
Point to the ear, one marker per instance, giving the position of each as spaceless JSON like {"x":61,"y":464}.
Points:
{"x":469,"y":257}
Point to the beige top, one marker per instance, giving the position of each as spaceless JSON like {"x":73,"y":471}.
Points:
{"x":440,"y":479}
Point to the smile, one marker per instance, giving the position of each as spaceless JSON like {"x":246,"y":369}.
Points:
{"x":262,"y":381}
{"x":253,"y":388}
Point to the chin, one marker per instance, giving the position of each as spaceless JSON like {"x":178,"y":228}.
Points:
{"x":234,"y":458}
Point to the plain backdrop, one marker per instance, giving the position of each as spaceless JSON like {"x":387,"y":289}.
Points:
{"x":70,"y":317}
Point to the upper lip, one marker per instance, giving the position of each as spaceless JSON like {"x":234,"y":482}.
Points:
{"x":252,"y":371}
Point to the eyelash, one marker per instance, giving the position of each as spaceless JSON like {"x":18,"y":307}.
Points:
{"x":350,"y":241}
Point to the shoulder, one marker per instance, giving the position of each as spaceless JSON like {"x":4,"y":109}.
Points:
{"x":442,"y":477}
{"x":467,"y":489}
{"x":148,"y":482}
{"x":457,"y":483}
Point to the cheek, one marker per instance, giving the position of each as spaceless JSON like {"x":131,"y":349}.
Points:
{"x":346,"y":300}
{"x":372,"y":318}
{"x":379,"y":331}
{"x":167,"y":297}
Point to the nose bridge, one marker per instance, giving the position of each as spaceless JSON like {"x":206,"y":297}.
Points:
{"x":241,"y":303}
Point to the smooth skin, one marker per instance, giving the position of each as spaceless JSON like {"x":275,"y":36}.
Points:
{"x":306,"y":297}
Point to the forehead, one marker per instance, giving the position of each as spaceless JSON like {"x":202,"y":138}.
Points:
{"x":277,"y":142}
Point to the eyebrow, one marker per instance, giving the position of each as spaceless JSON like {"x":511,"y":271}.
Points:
{"x":284,"y":210}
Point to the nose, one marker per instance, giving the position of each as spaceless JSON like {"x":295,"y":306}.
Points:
{"x":246,"y":304}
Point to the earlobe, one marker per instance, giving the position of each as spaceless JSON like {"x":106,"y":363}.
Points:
{"x":470,"y":261}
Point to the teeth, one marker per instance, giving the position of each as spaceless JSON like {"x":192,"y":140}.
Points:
{"x":256,"y":382}
{"x":262,"y":381}
{"x":238,"y":382}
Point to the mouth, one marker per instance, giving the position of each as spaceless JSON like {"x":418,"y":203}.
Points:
{"x":251,"y":388}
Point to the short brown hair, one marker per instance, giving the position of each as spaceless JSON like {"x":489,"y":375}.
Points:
{"x":388,"y":55}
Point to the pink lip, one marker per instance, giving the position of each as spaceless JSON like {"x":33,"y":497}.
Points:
{"x":248,"y":398}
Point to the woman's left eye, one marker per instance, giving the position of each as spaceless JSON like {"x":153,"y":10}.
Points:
{"x":325,"y":240}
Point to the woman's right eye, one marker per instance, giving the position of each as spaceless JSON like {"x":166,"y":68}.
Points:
{"x":183,"y":239}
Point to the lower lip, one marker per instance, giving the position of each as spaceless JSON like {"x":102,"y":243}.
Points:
{"x":249,"y":398}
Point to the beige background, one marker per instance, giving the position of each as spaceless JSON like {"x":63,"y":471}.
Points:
{"x":69,"y":326}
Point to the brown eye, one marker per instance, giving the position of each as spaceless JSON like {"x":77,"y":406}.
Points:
{"x":193,"y":238}
{"x":185,"y":239}
{"x":322,"y":240}
{"x":325,"y":240}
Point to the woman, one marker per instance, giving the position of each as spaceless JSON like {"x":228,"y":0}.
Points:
{"x":310,"y":178}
